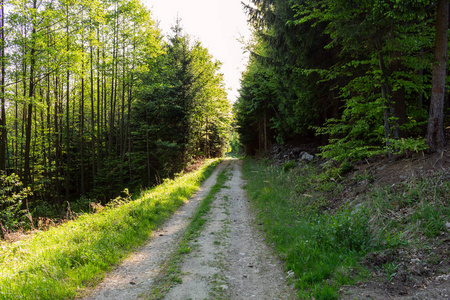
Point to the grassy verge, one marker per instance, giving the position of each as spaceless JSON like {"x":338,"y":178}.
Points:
{"x":171,"y":273}
{"x":61,"y":262}
{"x":323,"y":246}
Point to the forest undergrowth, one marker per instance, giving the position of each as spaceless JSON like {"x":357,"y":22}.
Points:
{"x":332,"y":233}
{"x":61,"y":262}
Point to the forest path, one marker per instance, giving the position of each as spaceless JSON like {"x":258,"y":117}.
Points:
{"x":137,"y":273}
{"x":228,"y":260}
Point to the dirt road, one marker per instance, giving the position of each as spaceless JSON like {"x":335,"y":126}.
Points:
{"x":229,"y":260}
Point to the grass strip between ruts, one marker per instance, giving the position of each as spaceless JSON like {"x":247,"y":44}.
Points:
{"x":61,"y":262}
{"x":170,"y":275}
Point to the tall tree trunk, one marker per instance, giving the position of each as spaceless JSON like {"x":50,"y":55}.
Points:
{"x":16,"y":127}
{"x":390,"y":130}
{"x":435,"y":134}
{"x":3,"y":132}
{"x":122,"y":117}
{"x":93,"y":139}
{"x":67,"y":174}
{"x":83,"y":191}
{"x":265,"y":131}
{"x":58,"y":142}
{"x":113,"y":87}
{"x":27,"y":173}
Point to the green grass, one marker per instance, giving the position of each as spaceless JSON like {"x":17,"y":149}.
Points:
{"x":61,"y":262}
{"x":323,"y":248}
{"x":170,"y":276}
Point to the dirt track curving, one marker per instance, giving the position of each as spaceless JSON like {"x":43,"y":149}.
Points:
{"x":229,"y":260}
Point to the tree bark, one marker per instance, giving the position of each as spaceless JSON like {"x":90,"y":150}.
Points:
{"x":435,"y":134}
{"x":93,"y":138}
{"x":82,"y":179}
{"x":27,"y":173}
{"x":3,"y":137}
{"x":67,"y":175}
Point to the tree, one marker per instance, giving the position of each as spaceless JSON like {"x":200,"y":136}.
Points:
{"x":435,"y":134}
{"x":3,"y":132}
{"x":78,"y":120}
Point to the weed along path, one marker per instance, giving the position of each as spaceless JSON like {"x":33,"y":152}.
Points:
{"x":210,"y":249}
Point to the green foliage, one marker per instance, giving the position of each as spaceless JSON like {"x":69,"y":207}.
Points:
{"x":322,"y":246}
{"x":12,"y":195}
{"x":60,"y":262}
{"x":345,"y":168}
{"x":432,"y":218}
{"x":316,"y":247}
{"x":181,"y":112}
{"x":426,"y":201}
{"x":289,"y":165}
{"x":235,"y":148}
{"x":350,"y":229}
{"x":390,"y":269}
{"x":97,"y":101}
{"x":357,"y":74}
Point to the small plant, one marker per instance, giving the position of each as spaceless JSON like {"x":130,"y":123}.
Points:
{"x":345,"y":168}
{"x":122,"y":199}
{"x":351,"y":230}
{"x":390,"y":269}
{"x":431,"y":219}
{"x":289,"y":165}
{"x":12,"y":195}
{"x":393,"y":240}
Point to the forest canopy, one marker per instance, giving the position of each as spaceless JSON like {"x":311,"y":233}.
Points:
{"x":359,"y":78}
{"x":95,"y":100}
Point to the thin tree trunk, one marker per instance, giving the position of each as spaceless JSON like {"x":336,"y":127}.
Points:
{"x":435,"y":134}
{"x":58,"y":143}
{"x":93,"y":139}
{"x":265,"y":131}
{"x":113,"y":88}
{"x":27,"y":173}
{"x":148,"y":158}
{"x":16,"y":128}
{"x":67,"y":175}
{"x":122,"y":117}
{"x":388,"y":107}
{"x":83,"y":191}
{"x":82,"y":177}
{"x":3,"y":132}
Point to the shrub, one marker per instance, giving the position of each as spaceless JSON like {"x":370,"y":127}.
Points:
{"x":289,"y":165}
{"x":12,"y":194}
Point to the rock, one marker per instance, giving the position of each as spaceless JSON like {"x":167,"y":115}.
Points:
{"x":295,"y":152}
{"x":448,"y":226}
{"x":276,"y":149}
{"x":308,"y":157}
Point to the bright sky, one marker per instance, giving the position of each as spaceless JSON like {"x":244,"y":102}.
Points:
{"x":218,"y":24}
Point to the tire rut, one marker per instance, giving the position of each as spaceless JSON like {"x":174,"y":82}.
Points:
{"x":228,"y":260}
